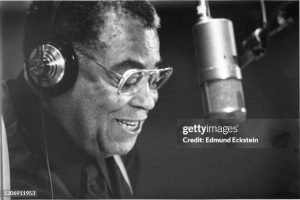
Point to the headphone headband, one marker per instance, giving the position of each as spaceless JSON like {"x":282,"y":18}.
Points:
{"x":56,"y":6}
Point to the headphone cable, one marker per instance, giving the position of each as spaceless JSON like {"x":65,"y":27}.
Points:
{"x":42,"y":101}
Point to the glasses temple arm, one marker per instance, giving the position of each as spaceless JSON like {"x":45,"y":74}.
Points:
{"x":102,"y":65}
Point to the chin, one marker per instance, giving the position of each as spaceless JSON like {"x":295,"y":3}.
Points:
{"x":121,"y":148}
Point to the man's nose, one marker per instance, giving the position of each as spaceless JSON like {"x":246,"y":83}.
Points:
{"x":145,"y":98}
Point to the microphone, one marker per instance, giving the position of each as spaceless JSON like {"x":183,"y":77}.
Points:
{"x":218,"y":73}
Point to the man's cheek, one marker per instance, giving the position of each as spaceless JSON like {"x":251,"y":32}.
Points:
{"x":116,"y":101}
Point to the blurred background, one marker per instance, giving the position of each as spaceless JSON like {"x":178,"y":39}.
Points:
{"x":271,"y":88}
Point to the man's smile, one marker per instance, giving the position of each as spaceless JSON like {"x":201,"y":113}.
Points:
{"x":131,"y":126}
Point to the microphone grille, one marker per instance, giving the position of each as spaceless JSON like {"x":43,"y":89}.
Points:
{"x":224,"y":99}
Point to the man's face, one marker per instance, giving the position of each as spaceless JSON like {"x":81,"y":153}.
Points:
{"x":94,"y":115}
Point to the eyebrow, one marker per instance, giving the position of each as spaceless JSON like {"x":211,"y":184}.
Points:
{"x":132,"y":64}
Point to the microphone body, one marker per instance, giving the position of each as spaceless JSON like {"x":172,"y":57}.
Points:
{"x":219,"y":75}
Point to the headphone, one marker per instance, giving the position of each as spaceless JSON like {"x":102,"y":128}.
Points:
{"x":51,"y":65}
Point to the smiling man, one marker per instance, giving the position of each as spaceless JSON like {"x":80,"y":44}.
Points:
{"x":94,"y":101}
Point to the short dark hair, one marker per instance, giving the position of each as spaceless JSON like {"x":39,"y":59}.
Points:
{"x":80,"y":21}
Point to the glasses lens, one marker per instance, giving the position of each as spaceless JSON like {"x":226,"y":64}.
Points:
{"x":158,"y":79}
{"x":136,"y":80}
{"x":131,"y":84}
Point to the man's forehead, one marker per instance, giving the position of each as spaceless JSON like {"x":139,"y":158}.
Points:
{"x":127,"y":39}
{"x":124,"y":27}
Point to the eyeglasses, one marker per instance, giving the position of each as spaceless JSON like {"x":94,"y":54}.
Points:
{"x":133,"y":79}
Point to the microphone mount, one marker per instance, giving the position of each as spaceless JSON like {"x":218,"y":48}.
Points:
{"x":203,"y":10}
{"x":255,"y":46}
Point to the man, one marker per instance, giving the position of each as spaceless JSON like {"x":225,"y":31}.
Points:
{"x":65,"y":143}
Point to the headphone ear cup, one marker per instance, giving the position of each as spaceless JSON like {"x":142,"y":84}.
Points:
{"x":52,"y":67}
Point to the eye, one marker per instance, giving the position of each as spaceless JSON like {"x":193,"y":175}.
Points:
{"x":133,"y":79}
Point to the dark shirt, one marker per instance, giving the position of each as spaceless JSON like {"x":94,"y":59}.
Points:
{"x":74,"y":174}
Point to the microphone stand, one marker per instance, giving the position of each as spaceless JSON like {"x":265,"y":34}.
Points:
{"x":255,"y":46}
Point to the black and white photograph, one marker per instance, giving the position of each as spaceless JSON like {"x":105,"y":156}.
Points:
{"x":158,"y":99}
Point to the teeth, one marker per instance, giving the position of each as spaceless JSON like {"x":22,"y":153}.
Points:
{"x":129,"y":125}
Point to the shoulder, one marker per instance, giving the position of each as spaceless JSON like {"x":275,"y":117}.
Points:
{"x":27,"y":169}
